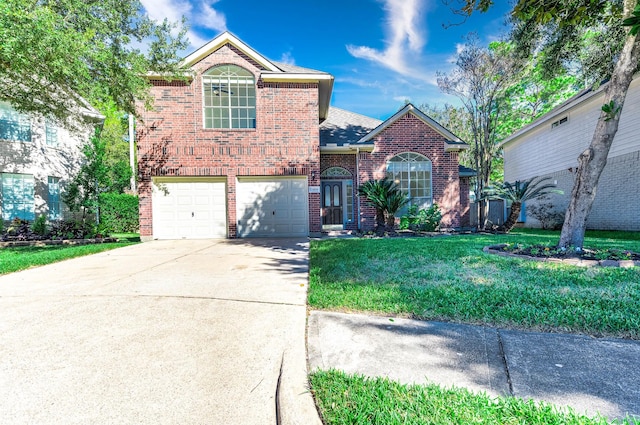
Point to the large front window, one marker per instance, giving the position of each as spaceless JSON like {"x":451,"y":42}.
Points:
{"x":17,"y":196}
{"x":229,"y":97}
{"x":412,"y":173}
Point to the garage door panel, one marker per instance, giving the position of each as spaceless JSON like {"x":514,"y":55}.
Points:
{"x":272,"y":207}
{"x":189,"y":210}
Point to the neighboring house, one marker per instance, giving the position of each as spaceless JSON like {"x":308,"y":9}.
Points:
{"x":37,"y":159}
{"x":550,"y":147}
{"x":248,"y":147}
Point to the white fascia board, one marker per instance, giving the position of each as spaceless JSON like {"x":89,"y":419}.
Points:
{"x":221,"y":40}
{"x":346,"y":149}
{"x":294,"y":78}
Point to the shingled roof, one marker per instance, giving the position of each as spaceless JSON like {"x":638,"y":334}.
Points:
{"x":344,"y":127}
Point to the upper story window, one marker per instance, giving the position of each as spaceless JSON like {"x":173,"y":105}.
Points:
{"x":14,"y":125}
{"x":412,"y":173}
{"x":51,"y":133}
{"x":229,"y":97}
{"x":559,"y":122}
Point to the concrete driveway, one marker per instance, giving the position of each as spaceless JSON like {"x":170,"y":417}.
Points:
{"x":165,"y":332}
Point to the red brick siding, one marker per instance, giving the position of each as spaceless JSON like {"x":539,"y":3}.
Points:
{"x":173,"y":142}
{"x":465,"y":218}
{"x":410,"y":134}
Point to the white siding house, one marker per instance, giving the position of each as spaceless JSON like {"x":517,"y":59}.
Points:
{"x":37,"y":160}
{"x":550,"y":147}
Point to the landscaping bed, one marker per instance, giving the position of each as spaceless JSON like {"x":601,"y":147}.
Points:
{"x":585,"y":257}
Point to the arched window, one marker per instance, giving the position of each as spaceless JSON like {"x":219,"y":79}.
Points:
{"x":229,"y":94}
{"x":412,"y":172}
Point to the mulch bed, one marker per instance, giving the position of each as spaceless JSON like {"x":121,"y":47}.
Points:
{"x":584,"y":258}
{"x":46,"y":242}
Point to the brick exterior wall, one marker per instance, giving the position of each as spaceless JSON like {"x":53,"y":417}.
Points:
{"x":411,"y":134}
{"x":616,"y":204}
{"x":172,"y":140}
{"x":465,"y":213}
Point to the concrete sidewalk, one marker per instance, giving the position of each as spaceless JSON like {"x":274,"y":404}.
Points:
{"x":165,"y":332}
{"x":589,"y":375}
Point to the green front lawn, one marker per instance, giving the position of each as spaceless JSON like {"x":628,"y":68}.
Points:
{"x":20,"y":258}
{"x":345,"y":399}
{"x":450,"y":278}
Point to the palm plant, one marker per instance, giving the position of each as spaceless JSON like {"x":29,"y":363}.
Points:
{"x":395,"y":200}
{"x":520,"y":192}
{"x":385,"y":196}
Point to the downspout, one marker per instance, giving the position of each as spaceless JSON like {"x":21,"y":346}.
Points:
{"x":358,"y":184}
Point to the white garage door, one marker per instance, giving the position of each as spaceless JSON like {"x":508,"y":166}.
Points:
{"x":272,"y":207}
{"x":186,"y":208}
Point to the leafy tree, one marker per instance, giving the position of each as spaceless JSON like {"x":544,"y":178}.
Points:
{"x":518,"y":193}
{"x":116,"y":157}
{"x":82,"y":194}
{"x":478,"y":79}
{"x":385,"y":196}
{"x":55,"y":53}
{"x":559,"y":29}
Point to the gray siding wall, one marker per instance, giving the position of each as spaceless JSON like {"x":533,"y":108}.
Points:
{"x":43,"y":161}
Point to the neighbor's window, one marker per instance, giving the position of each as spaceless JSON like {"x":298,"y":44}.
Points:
{"x":229,"y":97}
{"x":55,"y":210}
{"x":51,"y":133}
{"x":14,"y":125}
{"x":17,"y":196}
{"x":412,"y":173}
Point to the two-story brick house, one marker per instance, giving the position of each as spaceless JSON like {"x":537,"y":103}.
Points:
{"x":235,"y":150}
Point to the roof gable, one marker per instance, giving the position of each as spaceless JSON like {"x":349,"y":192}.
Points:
{"x":228,"y":38}
{"x":452,"y":142}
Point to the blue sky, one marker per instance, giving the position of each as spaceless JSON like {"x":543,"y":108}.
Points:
{"x":381,"y":52}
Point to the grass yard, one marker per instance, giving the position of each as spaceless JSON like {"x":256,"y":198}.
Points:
{"x":449,"y":278}
{"x":20,"y":258}
{"x":345,"y":399}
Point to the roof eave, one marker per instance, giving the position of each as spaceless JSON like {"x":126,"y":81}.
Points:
{"x":346,"y":149}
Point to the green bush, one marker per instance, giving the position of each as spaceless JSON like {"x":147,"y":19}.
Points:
{"x":39,"y":225}
{"x":118,"y":213}
{"x":422,"y":220}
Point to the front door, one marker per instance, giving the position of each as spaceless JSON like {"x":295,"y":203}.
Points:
{"x":332,"y":203}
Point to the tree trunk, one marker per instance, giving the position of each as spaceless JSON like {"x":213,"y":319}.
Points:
{"x":516,"y":207}
{"x":380,"y":221}
{"x":593,"y":160}
{"x":391,"y":222}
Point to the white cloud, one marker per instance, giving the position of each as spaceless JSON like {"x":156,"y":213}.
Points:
{"x":287,"y":57}
{"x":210,"y":18}
{"x":202,"y":15}
{"x":405,"y":34}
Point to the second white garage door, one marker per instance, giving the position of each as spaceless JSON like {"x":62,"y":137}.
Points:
{"x":268,"y":207}
{"x":189,"y":208}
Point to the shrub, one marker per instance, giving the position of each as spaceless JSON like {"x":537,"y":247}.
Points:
{"x":73,"y":229}
{"x":549,"y":217}
{"x":39,"y":225}
{"x":118,"y":213}
{"x":422,"y":220}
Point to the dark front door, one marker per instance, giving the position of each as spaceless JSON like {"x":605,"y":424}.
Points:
{"x":332,"y":202}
